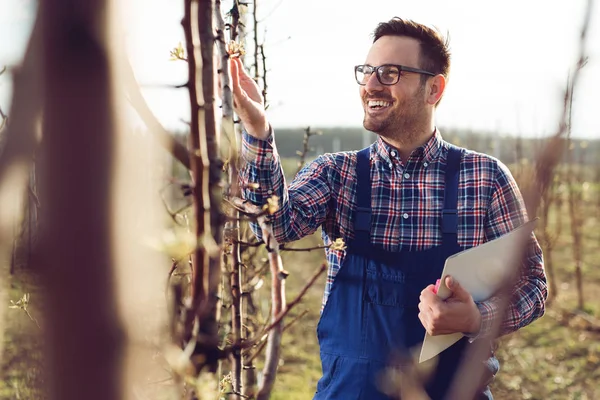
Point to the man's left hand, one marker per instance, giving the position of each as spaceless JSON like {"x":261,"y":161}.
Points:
{"x":458,"y":313}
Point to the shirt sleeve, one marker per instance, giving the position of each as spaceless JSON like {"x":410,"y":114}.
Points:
{"x":302,"y":206}
{"x":506,"y":212}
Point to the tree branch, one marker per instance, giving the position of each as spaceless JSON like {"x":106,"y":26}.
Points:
{"x":211,"y":190}
{"x":232,"y":228}
{"x":279,"y":318}
{"x":167,"y":141}
{"x":305,"y":148}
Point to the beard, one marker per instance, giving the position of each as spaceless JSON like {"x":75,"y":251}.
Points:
{"x":404,"y":123}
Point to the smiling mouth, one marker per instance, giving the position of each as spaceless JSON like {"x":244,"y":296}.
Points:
{"x":378,"y":104}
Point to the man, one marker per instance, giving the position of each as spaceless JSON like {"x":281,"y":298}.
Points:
{"x":403,"y":206}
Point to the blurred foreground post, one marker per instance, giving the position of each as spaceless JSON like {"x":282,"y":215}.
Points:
{"x":83,"y":334}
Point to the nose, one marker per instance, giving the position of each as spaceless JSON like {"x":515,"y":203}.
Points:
{"x":373,"y":84}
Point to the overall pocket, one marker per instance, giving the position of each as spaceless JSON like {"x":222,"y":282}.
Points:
{"x":390,"y":286}
{"x":329,"y":365}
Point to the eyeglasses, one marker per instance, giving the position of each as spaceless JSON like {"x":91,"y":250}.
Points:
{"x":387,"y":74}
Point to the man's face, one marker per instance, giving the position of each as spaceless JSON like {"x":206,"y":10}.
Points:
{"x":397,"y":110}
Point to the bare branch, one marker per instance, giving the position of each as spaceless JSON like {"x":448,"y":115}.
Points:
{"x":278,"y":276}
{"x":298,"y":298}
{"x":273,"y":9}
{"x":264,"y":74}
{"x":199,"y":173}
{"x":277,"y":306}
{"x":469,"y":372}
{"x":283,"y":248}
{"x":206,"y":183}
{"x":178,"y":150}
{"x":296,"y":319}
{"x":255,"y":37}
{"x":232,"y":228}
{"x":308,"y":133}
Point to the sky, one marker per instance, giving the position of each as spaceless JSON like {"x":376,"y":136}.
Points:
{"x":510,"y":59}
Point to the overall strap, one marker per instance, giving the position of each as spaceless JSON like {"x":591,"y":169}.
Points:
{"x":450,"y":211}
{"x":362,"y":218}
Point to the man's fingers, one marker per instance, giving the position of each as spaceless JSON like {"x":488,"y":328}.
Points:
{"x":423,"y":319}
{"x":458,"y":292}
{"x":429,"y":296}
{"x":430,"y":288}
{"x":240,"y":67}
{"x":235,"y":77}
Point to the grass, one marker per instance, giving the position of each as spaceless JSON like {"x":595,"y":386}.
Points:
{"x":21,"y":367}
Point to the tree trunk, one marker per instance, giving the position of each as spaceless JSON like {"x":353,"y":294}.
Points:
{"x":83,"y":335}
{"x":209,"y":325}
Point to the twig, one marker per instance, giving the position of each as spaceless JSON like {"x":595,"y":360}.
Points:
{"x":305,"y":148}
{"x":238,"y":394}
{"x":286,"y":327}
{"x":264,"y":73}
{"x":247,"y":209}
{"x":276,"y":320}
{"x":23,"y":304}
{"x":298,"y":298}
{"x":305,"y":249}
{"x":273,"y":9}
{"x":296,"y":319}
{"x":282,"y":247}
{"x":255,"y":37}
{"x":250,"y":244}
{"x":574,"y":202}
{"x":261,"y":347}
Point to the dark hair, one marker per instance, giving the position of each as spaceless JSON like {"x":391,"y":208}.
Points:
{"x":435,"y":54}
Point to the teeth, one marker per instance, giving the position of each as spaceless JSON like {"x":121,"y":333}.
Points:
{"x":379,"y":103}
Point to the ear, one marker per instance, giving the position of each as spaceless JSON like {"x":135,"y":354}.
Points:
{"x":435,"y":89}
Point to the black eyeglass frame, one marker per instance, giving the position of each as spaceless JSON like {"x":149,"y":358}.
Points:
{"x":377,"y":72}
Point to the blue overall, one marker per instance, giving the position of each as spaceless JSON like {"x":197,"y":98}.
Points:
{"x":372,"y":310}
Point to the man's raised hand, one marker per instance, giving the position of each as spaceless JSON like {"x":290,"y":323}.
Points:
{"x":248,"y":101}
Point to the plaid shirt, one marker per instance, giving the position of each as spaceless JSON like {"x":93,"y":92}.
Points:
{"x":407,"y":199}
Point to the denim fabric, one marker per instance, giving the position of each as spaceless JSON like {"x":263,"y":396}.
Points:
{"x":370,"y":321}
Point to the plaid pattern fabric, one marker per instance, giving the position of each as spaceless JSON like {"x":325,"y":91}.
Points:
{"x":407,"y":199}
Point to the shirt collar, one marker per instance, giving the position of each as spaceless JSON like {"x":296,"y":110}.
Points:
{"x":424,"y":154}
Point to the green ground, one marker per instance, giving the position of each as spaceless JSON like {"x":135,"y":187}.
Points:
{"x":557,"y":357}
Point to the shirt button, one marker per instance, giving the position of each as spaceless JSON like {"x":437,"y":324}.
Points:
{"x":425,"y":165}
{"x":270,"y":191}
{"x":405,"y":216}
{"x":407,"y":175}
{"x":393,"y":153}
{"x":391,"y":165}
{"x":269,"y":155}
